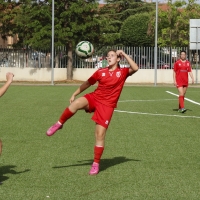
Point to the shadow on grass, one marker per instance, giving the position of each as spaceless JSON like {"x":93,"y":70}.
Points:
{"x":105,"y":163}
{"x":8,"y":170}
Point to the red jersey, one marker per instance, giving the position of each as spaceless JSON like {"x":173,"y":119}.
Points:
{"x":181,"y":69}
{"x":110,"y":84}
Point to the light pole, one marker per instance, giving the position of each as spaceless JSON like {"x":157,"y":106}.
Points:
{"x":156,"y":45}
{"x":52,"y":45}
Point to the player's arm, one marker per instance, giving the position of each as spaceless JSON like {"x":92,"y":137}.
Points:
{"x":174,"y":74}
{"x":133,"y":66}
{"x":174,"y":77}
{"x":83,"y":87}
{"x":192,"y":77}
{"x":9,"y":78}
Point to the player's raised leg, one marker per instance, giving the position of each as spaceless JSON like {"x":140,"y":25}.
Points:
{"x":78,"y":104}
{"x":100,"y":134}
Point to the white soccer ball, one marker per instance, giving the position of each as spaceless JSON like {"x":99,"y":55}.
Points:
{"x":84,"y":49}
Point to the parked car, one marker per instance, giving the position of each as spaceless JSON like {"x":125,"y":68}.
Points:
{"x":92,"y":59}
{"x":150,"y":65}
{"x":100,"y":64}
{"x":63,"y":61}
{"x":36,"y":54}
{"x":4,"y":63}
{"x":162,"y":65}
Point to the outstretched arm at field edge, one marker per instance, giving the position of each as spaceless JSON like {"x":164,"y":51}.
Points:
{"x":9,"y":78}
{"x":192,"y":77}
{"x":133,"y":66}
{"x":83,"y":87}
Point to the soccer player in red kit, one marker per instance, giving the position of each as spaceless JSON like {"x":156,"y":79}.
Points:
{"x":3,"y":89}
{"x":102,"y":101}
{"x":180,"y":75}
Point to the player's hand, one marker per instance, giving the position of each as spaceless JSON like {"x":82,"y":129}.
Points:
{"x":72,"y":99}
{"x":192,"y":81}
{"x":120,"y":53}
{"x":9,"y":76}
{"x":175,"y":83}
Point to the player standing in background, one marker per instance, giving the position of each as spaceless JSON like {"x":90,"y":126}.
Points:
{"x":102,"y":101}
{"x":180,"y":75}
{"x":3,"y":89}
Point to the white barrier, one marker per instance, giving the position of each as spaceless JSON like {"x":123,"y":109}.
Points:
{"x":82,"y":74}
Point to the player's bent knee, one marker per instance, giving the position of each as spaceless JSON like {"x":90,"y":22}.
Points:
{"x":79,"y":103}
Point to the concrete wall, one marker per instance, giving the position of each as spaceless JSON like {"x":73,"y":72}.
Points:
{"x":60,"y":74}
{"x":34,"y":74}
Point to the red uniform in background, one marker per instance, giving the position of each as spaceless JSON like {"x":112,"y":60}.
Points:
{"x":181,"y":69}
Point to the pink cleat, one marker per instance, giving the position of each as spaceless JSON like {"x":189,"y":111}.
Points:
{"x":53,"y":129}
{"x":94,"y":169}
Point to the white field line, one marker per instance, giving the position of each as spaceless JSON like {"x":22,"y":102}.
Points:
{"x":194,"y":102}
{"x":156,"y":114}
{"x":149,"y":100}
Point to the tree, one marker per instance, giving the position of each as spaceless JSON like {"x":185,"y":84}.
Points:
{"x":191,"y":11}
{"x":8,"y":12}
{"x":173,"y":23}
{"x":75,"y":20}
{"x":134,"y":30}
{"x":168,"y":30}
{"x":115,"y":13}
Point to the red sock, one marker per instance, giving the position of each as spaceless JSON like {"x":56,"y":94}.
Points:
{"x":98,"y":151}
{"x":181,"y":101}
{"x":65,"y":116}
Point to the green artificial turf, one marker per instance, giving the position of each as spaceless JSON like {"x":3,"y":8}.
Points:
{"x":151,"y":152}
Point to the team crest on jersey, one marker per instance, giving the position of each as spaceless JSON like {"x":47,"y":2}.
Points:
{"x":179,"y":64}
{"x":118,"y":74}
{"x":103,"y":74}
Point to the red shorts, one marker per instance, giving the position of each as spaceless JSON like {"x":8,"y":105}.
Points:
{"x":102,"y":113}
{"x":181,"y":85}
